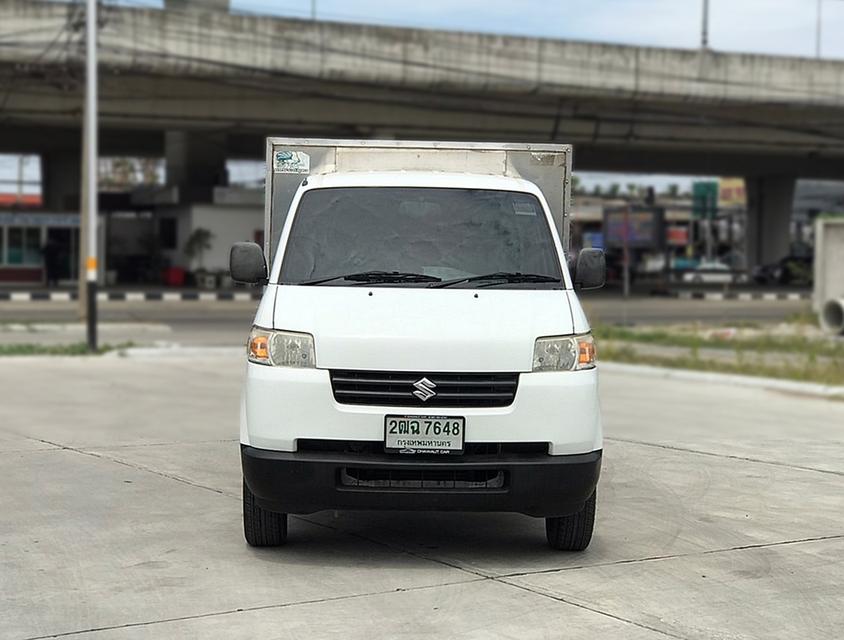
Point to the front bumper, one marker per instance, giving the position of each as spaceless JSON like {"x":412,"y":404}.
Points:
{"x":282,"y":405}
{"x":306,"y":482}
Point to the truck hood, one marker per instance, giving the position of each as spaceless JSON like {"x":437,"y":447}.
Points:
{"x":420,"y":329}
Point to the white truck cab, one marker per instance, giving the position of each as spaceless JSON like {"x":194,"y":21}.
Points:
{"x":420,"y":343}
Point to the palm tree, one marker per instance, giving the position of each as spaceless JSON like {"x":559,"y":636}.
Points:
{"x":198,"y":243}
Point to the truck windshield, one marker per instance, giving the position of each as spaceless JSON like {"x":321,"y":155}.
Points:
{"x":424,"y":235}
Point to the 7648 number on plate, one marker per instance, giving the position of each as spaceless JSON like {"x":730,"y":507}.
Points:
{"x":424,"y":434}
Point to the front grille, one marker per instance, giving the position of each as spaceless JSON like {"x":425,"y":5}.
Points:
{"x":396,"y":389}
{"x":429,"y":479}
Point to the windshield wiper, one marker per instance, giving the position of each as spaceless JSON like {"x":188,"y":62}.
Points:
{"x":377,"y":276}
{"x":506,"y":276}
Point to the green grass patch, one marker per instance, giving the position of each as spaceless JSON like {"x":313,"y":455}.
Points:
{"x":760,"y":344}
{"x":805,"y":317}
{"x":73,"y":349}
{"x":805,"y":369}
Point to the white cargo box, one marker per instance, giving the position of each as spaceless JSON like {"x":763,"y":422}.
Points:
{"x":292,"y":160}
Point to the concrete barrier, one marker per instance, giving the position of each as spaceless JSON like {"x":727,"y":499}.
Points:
{"x":832,"y":316}
{"x":829,"y":263}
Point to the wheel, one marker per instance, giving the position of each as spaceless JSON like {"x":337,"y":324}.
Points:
{"x":572,"y":532}
{"x":262,"y":528}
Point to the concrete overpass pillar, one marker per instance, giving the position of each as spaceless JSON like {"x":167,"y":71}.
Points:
{"x":197,"y":5}
{"x":196,"y":163}
{"x":770,"y":201}
{"x":61,"y":176}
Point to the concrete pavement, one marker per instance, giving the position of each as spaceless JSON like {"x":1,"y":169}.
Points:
{"x":719,"y":516}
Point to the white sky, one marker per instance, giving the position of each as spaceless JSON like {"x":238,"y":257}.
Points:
{"x":786,"y":27}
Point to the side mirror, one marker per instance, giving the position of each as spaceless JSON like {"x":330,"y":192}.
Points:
{"x":590,"y":270}
{"x":247,"y":264}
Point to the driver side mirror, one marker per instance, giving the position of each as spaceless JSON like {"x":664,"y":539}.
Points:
{"x":247,"y":264}
{"x":590,"y":269}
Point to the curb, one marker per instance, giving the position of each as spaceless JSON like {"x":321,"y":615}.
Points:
{"x":175,"y":351}
{"x":80,"y":327}
{"x":732,"y":379}
{"x":734,"y":295}
{"x":132,"y":296}
{"x":244,"y":296}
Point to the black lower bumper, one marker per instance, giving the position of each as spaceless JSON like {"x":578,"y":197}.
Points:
{"x":306,"y":482}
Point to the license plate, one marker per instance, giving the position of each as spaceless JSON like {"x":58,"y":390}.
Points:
{"x":424,"y":434}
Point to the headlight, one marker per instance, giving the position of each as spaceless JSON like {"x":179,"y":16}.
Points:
{"x":280,"y":348}
{"x":564,"y":353}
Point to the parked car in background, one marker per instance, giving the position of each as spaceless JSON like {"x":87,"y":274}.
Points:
{"x":651,"y":264}
{"x":713,"y":272}
{"x":788,"y":270}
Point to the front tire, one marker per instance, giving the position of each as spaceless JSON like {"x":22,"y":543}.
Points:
{"x":262,"y":528}
{"x":572,"y":532}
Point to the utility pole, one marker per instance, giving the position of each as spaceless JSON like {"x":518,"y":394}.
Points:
{"x":21,"y":159}
{"x":704,"y":30}
{"x":818,"y":31}
{"x":626,"y":252}
{"x":313,"y":9}
{"x":89,"y":204}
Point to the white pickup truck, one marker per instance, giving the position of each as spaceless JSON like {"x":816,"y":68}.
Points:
{"x":419,"y":343}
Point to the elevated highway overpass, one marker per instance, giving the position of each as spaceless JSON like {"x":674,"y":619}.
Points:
{"x":198,"y":87}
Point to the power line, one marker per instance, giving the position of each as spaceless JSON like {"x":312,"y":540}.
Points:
{"x":282,"y":11}
{"x":433,"y":131}
{"x":432,"y":101}
{"x":437,"y":99}
{"x":272,"y":44}
{"x":64,"y":28}
{"x":457,"y":103}
{"x":307,"y":46}
{"x":23,"y":32}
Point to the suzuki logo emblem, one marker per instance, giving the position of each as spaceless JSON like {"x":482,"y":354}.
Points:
{"x":424,"y":389}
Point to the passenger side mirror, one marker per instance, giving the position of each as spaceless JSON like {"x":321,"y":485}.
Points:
{"x":247,"y":264}
{"x":590,"y":270}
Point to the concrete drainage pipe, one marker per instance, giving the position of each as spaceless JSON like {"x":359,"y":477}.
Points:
{"x":832,"y":316}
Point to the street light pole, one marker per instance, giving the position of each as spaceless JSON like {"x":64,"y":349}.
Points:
{"x":818,"y":31}
{"x":21,"y":159}
{"x":704,"y":30}
{"x":91,"y":170}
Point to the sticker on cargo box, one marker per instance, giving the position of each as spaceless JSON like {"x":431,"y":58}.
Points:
{"x":291,"y":162}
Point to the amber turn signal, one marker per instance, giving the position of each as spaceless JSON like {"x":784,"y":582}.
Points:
{"x":259,"y":347}
{"x":586,"y":353}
